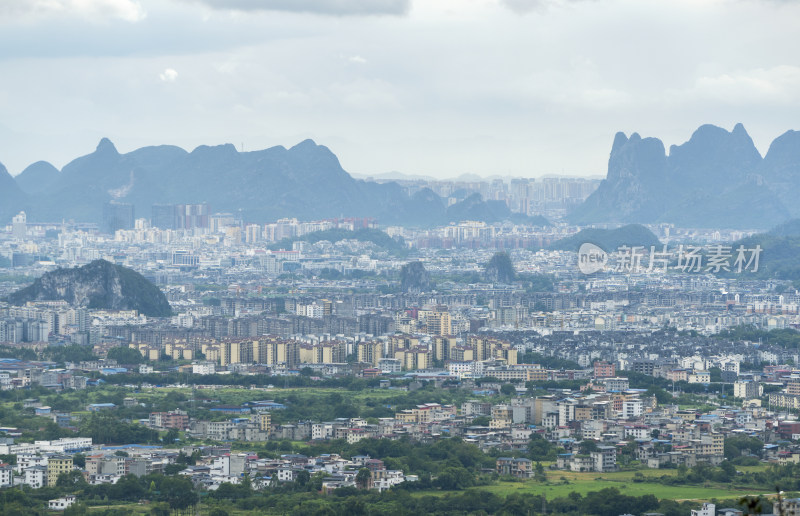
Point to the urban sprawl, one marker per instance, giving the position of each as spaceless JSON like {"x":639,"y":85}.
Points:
{"x":272,"y":333}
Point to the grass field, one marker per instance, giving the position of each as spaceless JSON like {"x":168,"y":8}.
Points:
{"x":561,"y":483}
{"x":232,"y":396}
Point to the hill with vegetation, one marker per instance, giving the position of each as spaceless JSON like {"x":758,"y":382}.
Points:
{"x":608,"y":239}
{"x":375,"y":236}
{"x":500,"y":269}
{"x":414,"y":277}
{"x":780,"y":252}
{"x":100,"y":285}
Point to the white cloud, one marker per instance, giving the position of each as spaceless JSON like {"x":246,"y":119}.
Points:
{"x":776,"y":85}
{"x":524,"y":6}
{"x":127,"y":10}
{"x":366,"y":94}
{"x":168,"y":75}
{"x":327,"y":7}
{"x":453,"y":86}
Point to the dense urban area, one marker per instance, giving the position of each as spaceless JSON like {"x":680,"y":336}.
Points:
{"x":341,"y":366}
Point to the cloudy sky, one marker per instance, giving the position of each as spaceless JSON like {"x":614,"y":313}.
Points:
{"x":434,"y":87}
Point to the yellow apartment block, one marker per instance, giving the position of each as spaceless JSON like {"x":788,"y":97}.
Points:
{"x":56,"y":465}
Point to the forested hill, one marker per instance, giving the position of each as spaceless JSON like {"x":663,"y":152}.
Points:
{"x":100,"y":285}
{"x":609,"y":239}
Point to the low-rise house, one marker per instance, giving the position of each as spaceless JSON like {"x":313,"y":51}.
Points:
{"x":61,"y":504}
{"x":519,"y":468}
{"x":6,"y":475}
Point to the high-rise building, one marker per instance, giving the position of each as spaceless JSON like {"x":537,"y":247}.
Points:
{"x":253,"y":233}
{"x":180,"y":216}
{"x":191,"y":216}
{"x":438,"y":321}
{"x":219,"y":221}
{"x":117,"y":215}
{"x":264,"y":350}
{"x":442,"y":347}
{"x":370,"y":352}
{"x":163,"y":216}
{"x":19,"y":225}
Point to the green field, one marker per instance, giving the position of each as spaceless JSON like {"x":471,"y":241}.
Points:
{"x":561,"y":483}
{"x":232,"y":396}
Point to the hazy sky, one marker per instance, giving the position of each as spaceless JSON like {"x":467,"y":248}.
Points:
{"x":436,"y":87}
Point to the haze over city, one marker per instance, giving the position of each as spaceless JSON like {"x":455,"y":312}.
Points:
{"x":439,"y":88}
{"x":408,"y":257}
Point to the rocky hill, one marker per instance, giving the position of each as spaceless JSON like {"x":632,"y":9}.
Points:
{"x":500,"y":269}
{"x":415,"y":278}
{"x":717,"y":179}
{"x":100,"y":285}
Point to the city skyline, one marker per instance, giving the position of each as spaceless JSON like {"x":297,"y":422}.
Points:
{"x":440,"y":88}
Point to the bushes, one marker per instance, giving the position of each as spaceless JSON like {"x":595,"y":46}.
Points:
{"x":105,"y":428}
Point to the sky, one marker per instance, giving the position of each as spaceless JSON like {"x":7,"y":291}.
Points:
{"x":432,"y":87}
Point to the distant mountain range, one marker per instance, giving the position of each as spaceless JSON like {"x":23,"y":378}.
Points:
{"x":717,"y":179}
{"x":305,"y":181}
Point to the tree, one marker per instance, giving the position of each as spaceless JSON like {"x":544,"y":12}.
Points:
{"x":661,"y":395}
{"x":76,"y":509}
{"x":71,"y":480}
{"x":540,"y":448}
{"x":539,"y":283}
{"x":178,"y":492}
{"x":363,"y":478}
{"x":508,"y":389}
{"x":105,"y":428}
{"x":303,"y":478}
{"x":79,"y":460}
{"x":71,"y":353}
{"x":538,"y":472}
{"x":588,"y":446}
{"x":128,"y":487}
{"x":735,"y":446}
{"x":173,"y":469}
{"x":727,"y":472}
{"x":315,"y":484}
{"x":159,"y":509}
{"x":482,"y":421}
{"x":454,"y":479}
{"x":125,"y":355}
{"x":171,"y":436}
{"x":754,"y":505}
